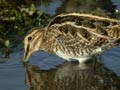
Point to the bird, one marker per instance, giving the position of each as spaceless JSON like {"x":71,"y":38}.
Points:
{"x":74,"y":36}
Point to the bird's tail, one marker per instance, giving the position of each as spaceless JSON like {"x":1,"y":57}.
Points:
{"x":111,"y":44}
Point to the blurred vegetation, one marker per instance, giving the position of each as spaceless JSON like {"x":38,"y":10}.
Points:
{"x":16,"y":19}
{"x":18,"y":16}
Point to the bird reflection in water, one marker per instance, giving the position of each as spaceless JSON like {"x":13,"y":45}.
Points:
{"x":72,"y":76}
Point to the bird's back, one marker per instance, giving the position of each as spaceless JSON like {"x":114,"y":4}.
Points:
{"x":74,"y":35}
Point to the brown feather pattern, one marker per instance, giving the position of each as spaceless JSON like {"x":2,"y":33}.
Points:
{"x":78,"y":35}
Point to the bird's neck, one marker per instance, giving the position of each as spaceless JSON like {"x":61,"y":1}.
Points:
{"x":44,"y":46}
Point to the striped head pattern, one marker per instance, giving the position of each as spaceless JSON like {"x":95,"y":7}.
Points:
{"x":32,"y":42}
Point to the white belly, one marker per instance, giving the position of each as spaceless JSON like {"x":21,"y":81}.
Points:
{"x":70,"y":57}
{"x":81,"y":59}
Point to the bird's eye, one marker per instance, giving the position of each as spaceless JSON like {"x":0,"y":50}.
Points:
{"x":29,"y":38}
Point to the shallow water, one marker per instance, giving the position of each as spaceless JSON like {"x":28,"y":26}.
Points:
{"x":48,"y":72}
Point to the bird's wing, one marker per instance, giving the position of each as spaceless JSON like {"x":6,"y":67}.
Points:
{"x":80,"y":30}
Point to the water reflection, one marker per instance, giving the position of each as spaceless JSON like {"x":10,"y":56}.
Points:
{"x":72,"y":76}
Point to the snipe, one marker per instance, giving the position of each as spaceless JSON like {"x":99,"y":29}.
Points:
{"x":74,"y":36}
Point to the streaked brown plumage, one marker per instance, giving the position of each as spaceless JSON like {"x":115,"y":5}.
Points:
{"x":74,"y":36}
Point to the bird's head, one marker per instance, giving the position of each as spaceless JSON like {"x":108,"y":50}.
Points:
{"x":32,"y":42}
